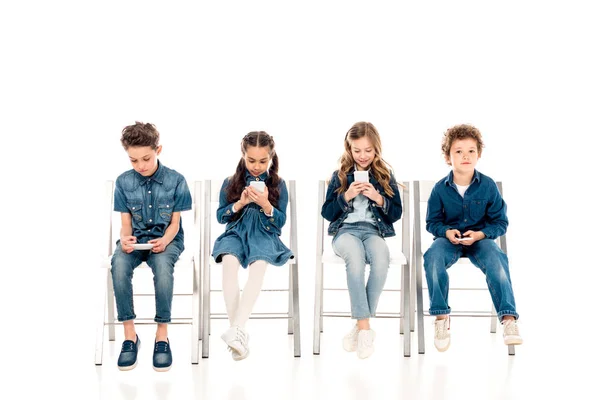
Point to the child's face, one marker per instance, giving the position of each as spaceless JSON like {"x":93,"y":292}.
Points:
{"x":463,"y":155}
{"x":257,"y":160}
{"x":144,"y":159}
{"x":363,"y":152}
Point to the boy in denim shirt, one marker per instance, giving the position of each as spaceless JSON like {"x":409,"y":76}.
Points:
{"x":465,"y":213}
{"x":150,"y":198}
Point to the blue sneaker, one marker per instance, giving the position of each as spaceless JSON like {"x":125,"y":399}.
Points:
{"x":162,"y":358}
{"x":128,"y":356}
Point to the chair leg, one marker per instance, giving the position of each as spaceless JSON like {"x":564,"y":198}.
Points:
{"x":406,"y":294}
{"x":296,"y":309}
{"x":318,"y":312}
{"x":100,"y":324}
{"x":511,"y":349}
{"x":205,"y":310}
{"x":413,"y":289}
{"x":290,"y":300}
{"x":196,"y":320}
{"x":420,"y":322}
{"x":110,"y":301}
{"x":493,"y":320}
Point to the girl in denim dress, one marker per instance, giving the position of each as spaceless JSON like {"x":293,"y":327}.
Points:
{"x":254,"y":216}
{"x":362,"y":212}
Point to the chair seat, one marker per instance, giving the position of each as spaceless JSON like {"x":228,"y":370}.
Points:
{"x":330,"y":257}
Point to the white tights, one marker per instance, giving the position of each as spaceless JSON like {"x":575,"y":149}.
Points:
{"x":239,"y":309}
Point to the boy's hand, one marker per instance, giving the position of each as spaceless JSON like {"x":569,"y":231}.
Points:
{"x":476,"y":236}
{"x":354,"y":190}
{"x":160,"y":245}
{"x":452,"y":235}
{"x":126,"y":243}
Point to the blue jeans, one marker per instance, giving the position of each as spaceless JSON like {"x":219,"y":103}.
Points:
{"x":485,"y":255}
{"x":360,"y":244}
{"x":162,"y":265}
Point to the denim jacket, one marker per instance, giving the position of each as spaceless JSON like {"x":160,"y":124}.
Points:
{"x":271,"y":224}
{"x":151,"y":201}
{"x":336,"y":209}
{"x":482,"y":208}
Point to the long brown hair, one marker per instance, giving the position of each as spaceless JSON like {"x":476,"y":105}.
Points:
{"x":379,"y":168}
{"x":237,"y":182}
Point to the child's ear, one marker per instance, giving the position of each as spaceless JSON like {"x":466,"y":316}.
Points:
{"x":158,"y":149}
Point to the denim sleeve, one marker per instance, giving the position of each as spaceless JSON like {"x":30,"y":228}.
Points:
{"x":279,"y":213}
{"x":183,"y":198}
{"x":435,"y":221}
{"x":392,"y":207}
{"x":120,"y":201}
{"x":335,"y":204}
{"x":496,"y":221}
{"x":224,"y":212}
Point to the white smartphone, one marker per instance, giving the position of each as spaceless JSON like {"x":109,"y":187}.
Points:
{"x":361,"y":176}
{"x":464,"y":238}
{"x":258,"y":185}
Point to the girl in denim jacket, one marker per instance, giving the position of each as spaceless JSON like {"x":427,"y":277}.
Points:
{"x":362,"y":214}
{"x":254,"y":220}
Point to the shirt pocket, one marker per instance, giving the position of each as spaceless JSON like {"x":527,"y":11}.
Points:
{"x":165,"y":211}
{"x":477,"y":209}
{"x":135,"y":209}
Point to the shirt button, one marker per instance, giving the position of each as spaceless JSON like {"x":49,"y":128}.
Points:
{"x":149,"y":230}
{"x":150,"y":205}
{"x":465,"y":220}
{"x":268,"y":228}
{"x":261,"y":210}
{"x":133,"y":208}
{"x":379,"y":219}
{"x":149,"y":191}
{"x":167,"y":206}
{"x":228,"y":212}
{"x":257,"y":179}
{"x":465,"y":206}
{"x":149,"y":220}
{"x":271,"y":219}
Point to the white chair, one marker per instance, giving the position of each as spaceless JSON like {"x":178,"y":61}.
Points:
{"x":189,"y":261}
{"x":399,"y":246}
{"x":422,"y":191}
{"x":289,"y":235}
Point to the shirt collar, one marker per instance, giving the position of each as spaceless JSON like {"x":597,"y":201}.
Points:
{"x":157,"y":176}
{"x":450,"y":178}
{"x":262,"y":177}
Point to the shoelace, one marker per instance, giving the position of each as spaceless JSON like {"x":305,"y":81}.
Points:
{"x":440,"y":328}
{"x":161,"y":347}
{"x":128,"y":345}
{"x":240,"y":336}
{"x":511,"y":328}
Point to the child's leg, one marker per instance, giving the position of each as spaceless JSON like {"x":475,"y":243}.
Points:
{"x":440,"y":256}
{"x":488,"y":257}
{"x":231,"y":286}
{"x":352,"y":250}
{"x":122,"y":268}
{"x":251,"y":291}
{"x":378,"y":256}
{"x":162,"y":265}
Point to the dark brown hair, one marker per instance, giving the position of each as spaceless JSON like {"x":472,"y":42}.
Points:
{"x":237,"y":182}
{"x":140,"y":135}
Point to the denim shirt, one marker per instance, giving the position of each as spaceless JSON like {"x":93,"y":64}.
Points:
{"x":151,"y":201}
{"x":336,"y":209}
{"x":481,"y":209}
{"x":271,"y":224}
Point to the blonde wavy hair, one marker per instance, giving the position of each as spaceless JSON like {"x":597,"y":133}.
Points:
{"x":379,"y":168}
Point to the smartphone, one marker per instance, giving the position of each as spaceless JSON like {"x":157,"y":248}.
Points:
{"x":464,"y":238}
{"x":361,"y":176}
{"x":258,"y":185}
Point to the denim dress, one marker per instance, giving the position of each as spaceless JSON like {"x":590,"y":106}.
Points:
{"x":254,"y":235}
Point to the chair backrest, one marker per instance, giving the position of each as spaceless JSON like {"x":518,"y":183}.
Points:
{"x":190,"y":220}
{"x":401,"y":227}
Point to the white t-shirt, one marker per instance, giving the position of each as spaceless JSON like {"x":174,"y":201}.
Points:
{"x":462,"y":189}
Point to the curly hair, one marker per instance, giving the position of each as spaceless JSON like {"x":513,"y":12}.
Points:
{"x":460,"y":132}
{"x":379,"y":168}
{"x":237,"y":182}
{"x":140,"y":135}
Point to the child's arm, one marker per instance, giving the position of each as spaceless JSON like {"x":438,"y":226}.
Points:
{"x":391,"y":207}
{"x":435,"y":222}
{"x":227,"y":210}
{"x":335,"y":204}
{"x":126,"y":230}
{"x":161,"y":243}
{"x":496,"y":221}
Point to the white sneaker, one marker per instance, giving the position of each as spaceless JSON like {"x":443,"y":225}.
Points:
{"x":237,"y":340}
{"x":441,"y":337}
{"x":350,"y":341}
{"x":365,"y":343}
{"x":511,"y":332}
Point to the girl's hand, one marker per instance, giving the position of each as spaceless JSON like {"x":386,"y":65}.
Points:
{"x":244,"y":199}
{"x":354,"y":190}
{"x":372,"y":193}
{"x":262,"y":199}
{"x":127,"y":242}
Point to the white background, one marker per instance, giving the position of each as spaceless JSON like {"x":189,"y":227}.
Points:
{"x":73,"y":74}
